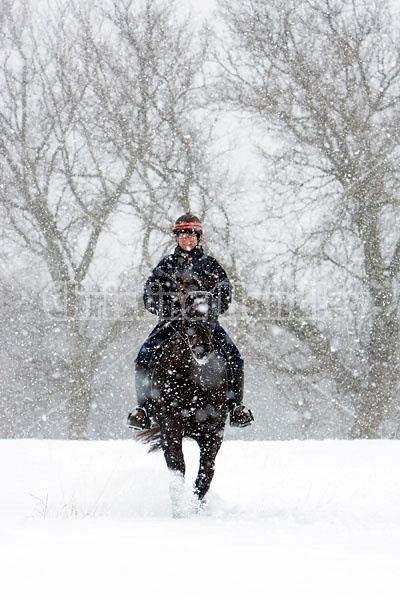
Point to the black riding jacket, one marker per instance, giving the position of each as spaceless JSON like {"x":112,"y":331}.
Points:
{"x":181,"y":273}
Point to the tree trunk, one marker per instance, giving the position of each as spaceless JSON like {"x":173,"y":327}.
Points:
{"x":80,"y":370}
{"x":383,"y":373}
{"x":369,"y":411}
{"x":79,"y":405}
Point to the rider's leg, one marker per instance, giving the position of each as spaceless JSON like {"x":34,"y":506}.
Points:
{"x":239,"y":414}
{"x":143,"y":386}
{"x":145,"y":361}
{"x":139,"y":418}
{"x":234,"y":365}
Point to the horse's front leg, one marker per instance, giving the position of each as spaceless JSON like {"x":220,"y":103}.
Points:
{"x":209,"y":444}
{"x":171,"y":441}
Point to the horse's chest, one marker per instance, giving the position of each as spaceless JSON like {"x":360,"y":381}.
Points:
{"x":206,"y":373}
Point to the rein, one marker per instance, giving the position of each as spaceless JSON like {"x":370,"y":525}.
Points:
{"x":197,"y":341}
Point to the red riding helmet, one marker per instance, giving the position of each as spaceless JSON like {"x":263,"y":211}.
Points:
{"x":186,"y":223}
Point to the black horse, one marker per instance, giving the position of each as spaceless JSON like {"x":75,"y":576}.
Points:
{"x":189,"y":398}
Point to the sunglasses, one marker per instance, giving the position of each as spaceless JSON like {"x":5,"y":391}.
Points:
{"x":186,"y":233}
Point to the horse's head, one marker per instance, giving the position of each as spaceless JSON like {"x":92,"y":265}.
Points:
{"x":198,"y":306}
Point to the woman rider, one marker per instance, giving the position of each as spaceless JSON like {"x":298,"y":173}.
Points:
{"x":187,"y":265}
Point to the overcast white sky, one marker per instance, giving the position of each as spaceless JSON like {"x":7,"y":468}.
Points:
{"x":204,"y":7}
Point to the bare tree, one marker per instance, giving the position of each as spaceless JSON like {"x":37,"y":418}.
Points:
{"x":153,"y":72}
{"x":96,"y":125}
{"x":322,"y":79}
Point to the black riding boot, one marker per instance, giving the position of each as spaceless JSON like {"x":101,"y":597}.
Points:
{"x":236,"y":384}
{"x":143,"y":386}
{"x":239,"y":415}
{"x":139,"y":418}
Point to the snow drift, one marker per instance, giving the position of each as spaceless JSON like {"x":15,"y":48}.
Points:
{"x":314,"y":519}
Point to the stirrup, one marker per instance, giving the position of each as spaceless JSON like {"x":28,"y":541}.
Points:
{"x":139,"y":419}
{"x":241,"y":416}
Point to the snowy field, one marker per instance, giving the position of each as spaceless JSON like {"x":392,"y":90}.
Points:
{"x":302,"y":520}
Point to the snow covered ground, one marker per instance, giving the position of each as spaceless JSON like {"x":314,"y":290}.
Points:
{"x":302,"y":520}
